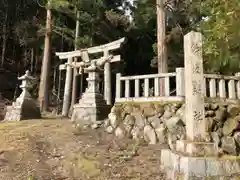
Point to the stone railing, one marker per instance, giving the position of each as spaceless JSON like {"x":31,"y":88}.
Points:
{"x":147,"y":87}
{"x":219,"y":86}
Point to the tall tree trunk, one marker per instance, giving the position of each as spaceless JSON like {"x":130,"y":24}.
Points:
{"x":74,"y":84}
{"x":161,"y":43}
{"x":36,"y":60}
{"x":43,"y":87}
{"x":4,"y":41}
{"x":32,"y":60}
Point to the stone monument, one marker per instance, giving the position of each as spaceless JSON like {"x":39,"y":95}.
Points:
{"x":25,"y":107}
{"x":196,"y":157}
{"x":92,"y":107}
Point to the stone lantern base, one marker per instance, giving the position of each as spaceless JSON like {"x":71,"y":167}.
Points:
{"x":92,"y":108}
{"x":27,"y":109}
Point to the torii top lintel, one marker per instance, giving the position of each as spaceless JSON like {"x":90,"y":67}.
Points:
{"x":96,"y":49}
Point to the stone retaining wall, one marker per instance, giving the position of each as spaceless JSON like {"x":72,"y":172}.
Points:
{"x":164,"y":123}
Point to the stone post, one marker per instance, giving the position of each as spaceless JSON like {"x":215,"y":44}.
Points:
{"x":196,"y":124}
{"x":118,"y":86}
{"x":67,"y":89}
{"x":107,"y":80}
{"x":238,"y":85}
{"x":180,"y":82}
{"x":195,"y":157}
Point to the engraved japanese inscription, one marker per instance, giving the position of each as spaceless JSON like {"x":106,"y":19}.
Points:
{"x":198,"y":115}
{"x":196,"y":69}
{"x":196,"y":87}
{"x":197,"y":49}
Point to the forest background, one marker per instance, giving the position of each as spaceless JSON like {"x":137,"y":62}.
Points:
{"x":23,"y":31}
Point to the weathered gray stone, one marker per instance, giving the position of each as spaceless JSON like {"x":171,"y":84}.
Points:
{"x":220,"y":115}
{"x":173,"y":123}
{"x":150,"y":135}
{"x":209,"y":124}
{"x":119,"y":132}
{"x":149,"y":111}
{"x":113,"y":119}
{"x":214,"y":106}
{"x":167,"y":113}
{"x":181,"y":112}
{"x":128,"y":108}
{"x":136,"y":133}
{"x":199,"y":168}
{"x":229,"y":126}
{"x":155,"y":121}
{"x":209,"y":113}
{"x":237,"y":139}
{"x":109,"y":129}
{"x":207,"y":106}
{"x":161,"y":133}
{"x":129,"y":120}
{"x":159,"y":109}
{"x":229,"y":145}
{"x":139,"y":119}
{"x":106,"y":123}
{"x":233,"y":110}
{"x":216,"y":138}
{"x":172,"y":138}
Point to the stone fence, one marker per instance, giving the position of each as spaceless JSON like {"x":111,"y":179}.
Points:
{"x":145,"y":88}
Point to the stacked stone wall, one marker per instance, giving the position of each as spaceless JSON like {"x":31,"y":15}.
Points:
{"x":164,"y":123}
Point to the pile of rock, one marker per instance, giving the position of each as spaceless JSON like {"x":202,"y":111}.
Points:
{"x":165,"y":123}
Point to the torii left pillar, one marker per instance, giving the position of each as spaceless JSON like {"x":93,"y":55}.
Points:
{"x":107,"y":80}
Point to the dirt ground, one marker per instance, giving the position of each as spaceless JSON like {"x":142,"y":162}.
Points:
{"x":55,"y":150}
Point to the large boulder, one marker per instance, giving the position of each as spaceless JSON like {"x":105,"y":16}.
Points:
{"x":220,"y":114}
{"x":150,"y":135}
{"x":230,"y":126}
{"x":149,"y":111}
{"x":161,"y":132}
{"x":233,"y":110}
{"x":173,"y":123}
{"x":139,"y":119}
{"x":229,"y":145}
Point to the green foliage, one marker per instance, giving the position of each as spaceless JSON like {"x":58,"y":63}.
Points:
{"x":221,"y":31}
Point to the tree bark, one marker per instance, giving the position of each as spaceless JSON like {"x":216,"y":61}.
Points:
{"x":161,"y":43}
{"x":43,"y":87}
{"x":74,"y":84}
{"x":32,"y":60}
{"x":4,"y":41}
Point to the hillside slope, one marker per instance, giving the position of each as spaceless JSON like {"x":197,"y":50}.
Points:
{"x":55,"y":150}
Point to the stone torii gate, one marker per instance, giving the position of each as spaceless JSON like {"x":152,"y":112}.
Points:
{"x":84,"y":62}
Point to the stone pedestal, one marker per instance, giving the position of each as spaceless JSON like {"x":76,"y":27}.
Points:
{"x":25,"y":106}
{"x":92,"y":107}
{"x":182,"y":167}
{"x":196,"y":157}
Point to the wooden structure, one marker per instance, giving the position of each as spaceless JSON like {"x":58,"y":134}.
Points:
{"x":83,"y":55}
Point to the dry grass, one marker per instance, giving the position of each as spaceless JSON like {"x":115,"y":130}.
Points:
{"x":54,"y":150}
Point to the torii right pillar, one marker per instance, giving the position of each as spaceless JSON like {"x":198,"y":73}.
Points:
{"x":195,"y":158}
